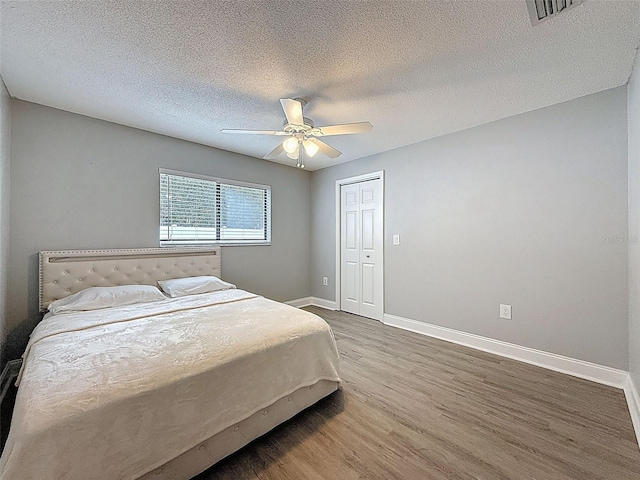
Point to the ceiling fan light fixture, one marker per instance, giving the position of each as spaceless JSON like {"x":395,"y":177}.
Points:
{"x":294,"y":155}
{"x":290,"y":145}
{"x":311,"y":147}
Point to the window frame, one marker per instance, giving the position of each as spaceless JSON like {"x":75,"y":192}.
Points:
{"x":219,"y":181}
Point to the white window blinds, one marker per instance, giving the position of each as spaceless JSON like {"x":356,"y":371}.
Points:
{"x":195,"y":209}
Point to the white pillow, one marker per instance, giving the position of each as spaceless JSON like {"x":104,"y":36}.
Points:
{"x":94,"y":298}
{"x":179,"y":287}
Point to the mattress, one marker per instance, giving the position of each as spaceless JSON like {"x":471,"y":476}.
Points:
{"x":117,"y":394}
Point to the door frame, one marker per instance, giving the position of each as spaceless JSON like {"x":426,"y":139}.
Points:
{"x":339,"y":183}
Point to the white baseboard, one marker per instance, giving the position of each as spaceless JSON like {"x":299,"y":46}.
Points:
{"x":323,"y":303}
{"x":633,"y":400}
{"x":300,"y":302}
{"x":312,"y":301}
{"x":578,"y":368}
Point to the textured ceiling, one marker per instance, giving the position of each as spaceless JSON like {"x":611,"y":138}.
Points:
{"x":414,"y":69}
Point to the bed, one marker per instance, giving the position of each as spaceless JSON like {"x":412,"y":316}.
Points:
{"x":160,"y":389}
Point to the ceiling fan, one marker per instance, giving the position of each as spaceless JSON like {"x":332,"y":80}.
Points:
{"x":302,"y":134}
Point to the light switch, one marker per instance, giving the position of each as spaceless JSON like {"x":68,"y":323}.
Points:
{"x":396,"y":239}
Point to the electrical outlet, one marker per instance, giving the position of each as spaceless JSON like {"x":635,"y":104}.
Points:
{"x":325,"y":281}
{"x":396,"y":239}
{"x":505,"y":311}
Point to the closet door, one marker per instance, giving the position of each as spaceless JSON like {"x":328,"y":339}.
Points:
{"x":361,"y":240}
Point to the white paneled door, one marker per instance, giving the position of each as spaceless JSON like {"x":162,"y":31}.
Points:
{"x":361,"y":248}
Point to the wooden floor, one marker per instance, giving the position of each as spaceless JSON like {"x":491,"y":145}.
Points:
{"x":413,"y":407}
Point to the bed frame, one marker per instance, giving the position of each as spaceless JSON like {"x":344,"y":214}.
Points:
{"x":63,"y":273}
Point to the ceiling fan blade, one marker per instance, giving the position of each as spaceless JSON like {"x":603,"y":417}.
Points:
{"x":292,"y":110}
{"x":328,"y":150}
{"x":346,"y":129}
{"x":254,"y":132}
{"x":275,"y":152}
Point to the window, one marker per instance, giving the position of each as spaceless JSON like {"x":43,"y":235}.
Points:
{"x":196,"y":209}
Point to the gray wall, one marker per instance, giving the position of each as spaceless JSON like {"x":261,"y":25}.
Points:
{"x":5,"y":132}
{"x":529,"y":211}
{"x":633,"y":105}
{"x":78,"y":182}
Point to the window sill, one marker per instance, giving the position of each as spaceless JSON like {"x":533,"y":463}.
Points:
{"x":215,"y":244}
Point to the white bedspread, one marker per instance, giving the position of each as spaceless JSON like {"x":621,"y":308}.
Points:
{"x":113,"y":395}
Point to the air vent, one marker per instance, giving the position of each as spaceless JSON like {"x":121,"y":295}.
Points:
{"x":540,"y":10}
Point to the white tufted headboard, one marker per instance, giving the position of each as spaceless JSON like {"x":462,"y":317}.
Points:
{"x":65,"y":272}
